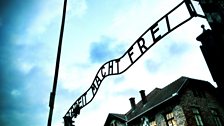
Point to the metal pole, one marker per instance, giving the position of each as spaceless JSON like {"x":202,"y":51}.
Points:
{"x":53,"y":93}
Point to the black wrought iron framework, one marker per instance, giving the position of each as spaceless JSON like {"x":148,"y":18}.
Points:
{"x":112,"y":67}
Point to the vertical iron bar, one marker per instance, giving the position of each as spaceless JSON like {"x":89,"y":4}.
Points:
{"x":53,"y":93}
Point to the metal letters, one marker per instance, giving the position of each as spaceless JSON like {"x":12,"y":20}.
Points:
{"x":114,"y":67}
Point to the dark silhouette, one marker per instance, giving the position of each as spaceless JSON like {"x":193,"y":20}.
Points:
{"x":53,"y":93}
{"x":212,"y":46}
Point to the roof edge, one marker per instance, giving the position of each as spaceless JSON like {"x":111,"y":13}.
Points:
{"x":119,"y":116}
{"x":174,"y":95}
{"x":152,"y":108}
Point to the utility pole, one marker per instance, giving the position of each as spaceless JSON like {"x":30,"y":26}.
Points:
{"x":53,"y":93}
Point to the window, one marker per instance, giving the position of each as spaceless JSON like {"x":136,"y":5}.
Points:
{"x":216,"y":117}
{"x":170,"y":119}
{"x":197,"y":116}
{"x":152,"y":123}
{"x":147,"y":122}
{"x":113,"y":123}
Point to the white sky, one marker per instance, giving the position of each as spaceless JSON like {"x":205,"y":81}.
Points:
{"x":112,"y":27}
{"x":97,"y":31}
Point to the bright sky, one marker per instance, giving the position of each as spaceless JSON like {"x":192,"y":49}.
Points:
{"x":96,"y":31}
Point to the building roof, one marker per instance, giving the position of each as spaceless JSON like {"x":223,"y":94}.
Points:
{"x":111,"y":116}
{"x":157,"y":97}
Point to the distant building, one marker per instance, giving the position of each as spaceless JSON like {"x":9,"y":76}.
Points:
{"x":184,"y":102}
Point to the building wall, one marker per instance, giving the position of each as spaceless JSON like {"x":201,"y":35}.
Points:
{"x":160,"y":118}
{"x":179,"y":116}
{"x":182,"y":110}
{"x":204,"y":104}
{"x":116,"y":123}
{"x":178,"y":113}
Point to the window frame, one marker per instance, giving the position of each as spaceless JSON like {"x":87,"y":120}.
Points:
{"x":197,"y":116}
{"x":170,"y":120}
{"x":149,"y":121}
{"x":216,"y":117}
{"x":152,"y":123}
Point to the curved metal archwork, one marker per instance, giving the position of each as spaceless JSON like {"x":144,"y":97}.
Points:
{"x":117,"y":66}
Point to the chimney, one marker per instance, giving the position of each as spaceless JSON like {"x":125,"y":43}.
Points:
{"x":142,"y":92}
{"x":132,"y":101}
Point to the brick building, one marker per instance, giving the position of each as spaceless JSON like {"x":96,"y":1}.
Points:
{"x":184,"y":102}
